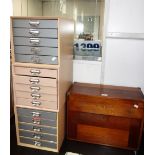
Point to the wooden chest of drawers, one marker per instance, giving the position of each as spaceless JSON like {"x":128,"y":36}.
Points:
{"x":108,"y":115}
{"x":42,"y":74}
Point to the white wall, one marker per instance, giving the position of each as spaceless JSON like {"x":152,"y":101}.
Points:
{"x":87,"y":71}
{"x":123,"y":58}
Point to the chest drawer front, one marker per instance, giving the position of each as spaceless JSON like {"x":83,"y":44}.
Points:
{"x":36,"y":50}
{"x":38,"y":129}
{"x":37,"y":103}
{"x":36,"y":59}
{"x":38,"y":96}
{"x":35,"y":72}
{"x":37,"y":121}
{"x":36,"y":89}
{"x":45,"y":33}
{"x":38,"y":143}
{"x":35,"y":23}
{"x":36,"y":42}
{"x":37,"y":113}
{"x":124,"y":108}
{"x":38,"y":136}
{"x":35,"y":81}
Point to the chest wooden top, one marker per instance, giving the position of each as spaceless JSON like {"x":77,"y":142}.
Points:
{"x":107,"y":91}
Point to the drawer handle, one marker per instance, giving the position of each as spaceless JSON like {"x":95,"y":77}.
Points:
{"x":136,"y":106}
{"x":104,"y":94}
{"x":35,"y":71}
{"x":36,"y":129}
{"x":36,"y":136}
{"x":34,"y":23}
{"x":35,"y":50}
{"x":36,"y":96}
{"x":36,"y":103}
{"x":36,"y":121}
{"x":34,"y":81}
{"x":35,"y":41}
{"x":35,"y":59}
{"x":36,"y":114}
{"x":36,"y":143}
{"x":34,"y":32}
{"x":34,"y":87}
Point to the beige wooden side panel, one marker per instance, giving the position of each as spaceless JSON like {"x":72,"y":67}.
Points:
{"x":65,"y":73}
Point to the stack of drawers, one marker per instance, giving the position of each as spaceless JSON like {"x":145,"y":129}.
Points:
{"x":42,"y":73}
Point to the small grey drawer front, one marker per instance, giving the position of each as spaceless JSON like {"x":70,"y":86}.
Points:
{"x":49,"y":42}
{"x":36,"y":50}
{"x":45,"y":33}
{"x":53,"y":60}
{"x":39,"y":113}
{"x":37,"y":121}
{"x":38,"y":143}
{"x":38,"y":129}
{"x":35,"y":23}
{"x":38,"y":136}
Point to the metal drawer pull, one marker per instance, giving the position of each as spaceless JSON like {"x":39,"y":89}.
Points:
{"x":36,"y":136}
{"x":36,"y":143}
{"x":36,"y":103}
{"x":104,"y":94}
{"x":35,"y":49}
{"x":35,"y":71}
{"x":34,"y":32}
{"x":136,"y":106}
{"x":34,"y":23}
{"x":36,"y":114}
{"x":52,"y":141}
{"x":36,"y":129}
{"x":35,"y":95}
{"x":34,"y":87}
{"x":35,"y":59}
{"x":34,"y":81}
{"x":36,"y":121}
{"x":34,"y":41}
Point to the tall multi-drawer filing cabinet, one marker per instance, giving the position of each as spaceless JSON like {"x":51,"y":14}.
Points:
{"x":41,"y":50}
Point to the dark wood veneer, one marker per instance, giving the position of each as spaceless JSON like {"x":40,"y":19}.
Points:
{"x":115,"y":119}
